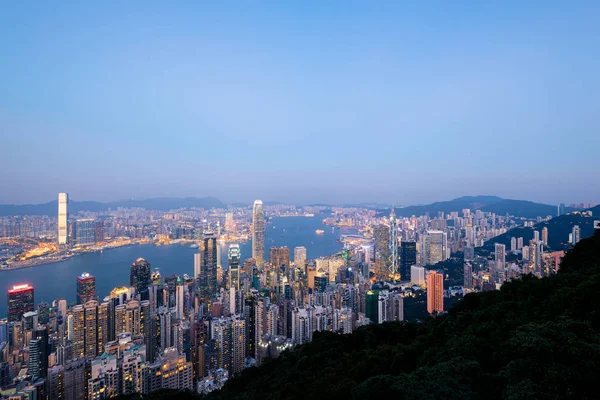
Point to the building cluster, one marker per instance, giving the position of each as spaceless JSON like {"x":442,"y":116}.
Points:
{"x":194,"y":331}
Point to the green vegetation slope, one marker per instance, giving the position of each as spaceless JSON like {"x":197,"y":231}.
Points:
{"x":533,"y":339}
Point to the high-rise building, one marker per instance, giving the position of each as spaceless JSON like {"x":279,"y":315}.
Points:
{"x":229,"y":224}
{"x":86,"y":288}
{"x":56,"y":382}
{"x":85,"y":231}
{"x":279,"y":257}
{"x":139,"y":277}
{"x":436,"y":247}
{"x":417,"y":275}
{"x":74,"y":379}
{"x":258,"y":233}
{"x":36,"y":356}
{"x":513,"y":244}
{"x":20,"y":301}
{"x":99,"y":231}
{"x":207,"y":268}
{"x":468,"y":276}
{"x":382,"y":250}
{"x":393,"y":264}
{"x":63,"y":216}
{"x":500,"y":258}
{"x":300,"y":256}
{"x":575,"y":235}
{"x":234,"y":256}
{"x":435,"y":292}
{"x":545,"y":235}
{"x":408,"y":258}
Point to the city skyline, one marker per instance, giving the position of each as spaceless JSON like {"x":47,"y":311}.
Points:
{"x":329,"y":103}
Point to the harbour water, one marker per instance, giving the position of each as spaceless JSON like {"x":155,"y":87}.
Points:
{"x":111,"y":267}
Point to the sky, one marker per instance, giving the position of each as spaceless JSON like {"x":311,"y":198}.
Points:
{"x":300,"y":101}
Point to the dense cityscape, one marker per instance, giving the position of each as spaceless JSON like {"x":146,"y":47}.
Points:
{"x":205,"y":200}
{"x":229,"y":311}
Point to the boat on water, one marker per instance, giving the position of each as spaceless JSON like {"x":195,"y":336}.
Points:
{"x":320,"y":232}
{"x":194,"y":246}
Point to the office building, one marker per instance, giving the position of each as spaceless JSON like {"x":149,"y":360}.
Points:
{"x":234,"y":255}
{"x":279,"y":258}
{"x":86,"y":288}
{"x":300,"y":256}
{"x":63,"y":216}
{"x":85,"y":231}
{"x":207,"y":268}
{"x":382,"y":251}
{"x":408,"y":258}
{"x":436,"y":247}
{"x":417,"y":275}
{"x":20,"y":301}
{"x":258,"y":233}
{"x":139,"y":277}
{"x":435,"y":292}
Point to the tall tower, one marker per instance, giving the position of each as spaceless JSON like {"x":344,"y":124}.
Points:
{"x":20,"y":301}
{"x":393,"y":264}
{"x":206,"y":271}
{"x":139,"y":277}
{"x":86,"y":288}
{"x":435,"y":292}
{"x":234,"y":256}
{"x":258,"y":232}
{"x":63,"y":216}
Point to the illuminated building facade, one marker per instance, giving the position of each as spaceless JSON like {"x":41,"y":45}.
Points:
{"x":258,"y":232}
{"x":20,"y":301}
{"x":234,"y":255}
{"x":85,"y":231}
{"x":86,"y":288}
{"x":63,"y":216}
{"x":206,"y":270}
{"x":139,"y":277}
{"x":435,"y":292}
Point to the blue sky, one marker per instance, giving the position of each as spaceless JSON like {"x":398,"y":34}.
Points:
{"x":308,"y":101}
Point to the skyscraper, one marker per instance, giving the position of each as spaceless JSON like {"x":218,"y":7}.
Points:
{"x":435,"y":292}
{"x":393,"y":244}
{"x":300,"y":256}
{"x":139,"y":277}
{"x":63,"y":216}
{"x":85,"y":231}
{"x":468,"y":275}
{"x":408,"y":258}
{"x":258,"y":232}
{"x":575,"y":235}
{"x":500,"y":258}
{"x":207,"y":268}
{"x":20,"y":301}
{"x":545,"y":235}
{"x":278,"y":257}
{"x":382,"y":251}
{"x":234,"y":256}
{"x":86,"y":288}
{"x":436,"y":245}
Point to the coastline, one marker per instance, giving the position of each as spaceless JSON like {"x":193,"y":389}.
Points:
{"x":39,"y":261}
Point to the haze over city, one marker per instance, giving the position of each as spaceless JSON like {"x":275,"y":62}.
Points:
{"x":300,"y":102}
{"x":208,"y":200}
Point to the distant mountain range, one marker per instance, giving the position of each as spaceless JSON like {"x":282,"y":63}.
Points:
{"x":498,"y":205}
{"x":162,"y":203}
{"x":558,"y":231}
